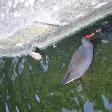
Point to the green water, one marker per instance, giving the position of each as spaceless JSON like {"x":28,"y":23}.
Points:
{"x":27,"y":85}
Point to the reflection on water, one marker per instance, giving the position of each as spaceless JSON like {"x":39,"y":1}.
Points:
{"x":16,"y":67}
{"x":88,"y":107}
{"x":6,"y":106}
{"x":37,"y":98}
{"x":17,"y":109}
{"x":21,"y":65}
{"x":29,"y":106}
{"x":66,"y":110}
{"x":13,"y":68}
{"x":2,"y":62}
{"x":107,"y":104}
{"x":44,"y":63}
{"x":79,"y":87}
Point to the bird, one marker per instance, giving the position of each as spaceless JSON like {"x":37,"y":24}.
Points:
{"x":80,"y":62}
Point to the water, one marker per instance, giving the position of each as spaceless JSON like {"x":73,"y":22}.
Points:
{"x":27,"y":85}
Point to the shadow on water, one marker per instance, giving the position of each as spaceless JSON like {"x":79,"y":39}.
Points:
{"x":27,"y":85}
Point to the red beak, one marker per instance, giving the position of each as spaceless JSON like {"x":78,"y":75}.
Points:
{"x":89,"y":36}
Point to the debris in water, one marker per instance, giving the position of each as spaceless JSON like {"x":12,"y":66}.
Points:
{"x":35,"y":55}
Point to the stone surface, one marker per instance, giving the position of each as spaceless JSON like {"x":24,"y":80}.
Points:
{"x":28,"y":23}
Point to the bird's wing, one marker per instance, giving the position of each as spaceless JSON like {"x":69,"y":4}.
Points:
{"x":80,"y":62}
{"x":77,"y":59}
